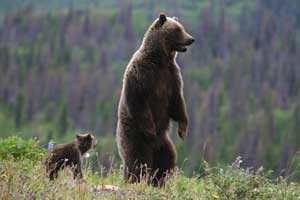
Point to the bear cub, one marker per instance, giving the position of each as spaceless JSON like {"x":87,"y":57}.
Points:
{"x":69,"y":155}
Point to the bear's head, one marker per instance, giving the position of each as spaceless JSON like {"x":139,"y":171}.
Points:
{"x":85,"y":142}
{"x":168,"y":33}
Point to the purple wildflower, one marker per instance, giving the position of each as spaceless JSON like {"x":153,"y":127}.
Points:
{"x":19,"y":145}
{"x":50,"y":146}
{"x":247,"y":172}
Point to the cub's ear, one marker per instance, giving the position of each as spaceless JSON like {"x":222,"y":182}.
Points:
{"x":78,"y":135}
{"x":175,"y":18}
{"x":162,"y":18}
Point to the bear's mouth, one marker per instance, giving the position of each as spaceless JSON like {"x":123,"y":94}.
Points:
{"x":182,"y":46}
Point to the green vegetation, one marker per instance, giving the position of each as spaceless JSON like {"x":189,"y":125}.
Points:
{"x":17,"y":148}
{"x":24,"y":178}
{"x":62,"y":62}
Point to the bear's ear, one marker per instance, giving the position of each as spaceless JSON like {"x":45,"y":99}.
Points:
{"x":78,"y":136}
{"x":162,"y":18}
{"x":175,"y":18}
{"x":89,"y":135}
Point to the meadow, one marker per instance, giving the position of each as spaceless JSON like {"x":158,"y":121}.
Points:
{"x":62,"y":64}
{"x":22,"y":176}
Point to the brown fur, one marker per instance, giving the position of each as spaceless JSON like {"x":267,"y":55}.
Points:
{"x":69,"y":155}
{"x":152,"y":94}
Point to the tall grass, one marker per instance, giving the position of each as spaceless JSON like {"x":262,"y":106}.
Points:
{"x":24,"y":178}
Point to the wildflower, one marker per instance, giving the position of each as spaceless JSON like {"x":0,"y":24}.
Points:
{"x":50,"y":146}
{"x":221,"y":171}
{"x":87,"y":155}
{"x":247,"y":172}
{"x":293,"y":183}
{"x":215,"y":196}
{"x":36,"y":138}
{"x":281,"y":179}
{"x":19,"y":145}
{"x":3,"y":175}
{"x":237,"y":162}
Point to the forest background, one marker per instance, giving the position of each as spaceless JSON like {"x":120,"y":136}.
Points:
{"x":62,"y":64}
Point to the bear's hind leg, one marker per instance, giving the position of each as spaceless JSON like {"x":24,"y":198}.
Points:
{"x":164,"y":163}
{"x":138,"y":169}
{"x":53,"y":174}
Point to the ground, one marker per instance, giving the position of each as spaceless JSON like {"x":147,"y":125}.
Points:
{"x":25,"y":179}
{"x":22,"y":176}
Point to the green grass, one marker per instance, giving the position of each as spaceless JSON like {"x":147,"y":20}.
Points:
{"x":23,"y":177}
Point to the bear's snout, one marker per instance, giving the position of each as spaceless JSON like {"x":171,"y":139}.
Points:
{"x":191,"y":41}
{"x":187,"y":42}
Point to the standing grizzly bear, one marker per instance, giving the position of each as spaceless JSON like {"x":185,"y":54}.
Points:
{"x":69,"y":155}
{"x":152,"y":94}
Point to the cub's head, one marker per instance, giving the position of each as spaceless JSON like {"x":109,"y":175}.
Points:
{"x":172,"y":34}
{"x":85,"y":142}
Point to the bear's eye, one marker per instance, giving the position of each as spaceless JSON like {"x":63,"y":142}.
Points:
{"x":177,"y":29}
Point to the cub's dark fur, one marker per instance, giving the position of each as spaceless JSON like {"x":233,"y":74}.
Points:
{"x":69,"y":155}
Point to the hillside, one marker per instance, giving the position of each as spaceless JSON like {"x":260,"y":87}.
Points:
{"x":62,"y":64}
{"x":22,"y":176}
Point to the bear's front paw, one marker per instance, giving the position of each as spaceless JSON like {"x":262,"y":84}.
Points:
{"x":182,"y":130}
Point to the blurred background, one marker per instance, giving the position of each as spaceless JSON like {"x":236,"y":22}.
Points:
{"x":62,"y":63}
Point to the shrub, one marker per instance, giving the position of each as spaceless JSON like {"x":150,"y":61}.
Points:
{"x":17,"y":148}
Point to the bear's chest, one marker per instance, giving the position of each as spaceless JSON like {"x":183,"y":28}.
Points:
{"x":162,"y":85}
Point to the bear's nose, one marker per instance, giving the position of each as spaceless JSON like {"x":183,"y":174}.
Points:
{"x":192,"y":40}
